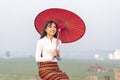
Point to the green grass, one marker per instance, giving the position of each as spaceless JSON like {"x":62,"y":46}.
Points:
{"x":26,"y":69}
{"x":17,"y":69}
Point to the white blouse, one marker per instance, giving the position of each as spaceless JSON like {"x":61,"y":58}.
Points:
{"x":45,"y":47}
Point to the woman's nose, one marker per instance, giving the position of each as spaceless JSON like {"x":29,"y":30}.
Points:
{"x":53,"y":28}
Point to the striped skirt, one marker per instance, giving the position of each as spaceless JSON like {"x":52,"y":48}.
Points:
{"x":51,"y":71}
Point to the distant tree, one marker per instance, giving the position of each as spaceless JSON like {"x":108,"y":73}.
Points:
{"x":7,"y":54}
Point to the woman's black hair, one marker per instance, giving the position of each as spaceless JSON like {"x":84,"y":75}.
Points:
{"x":44,"y":33}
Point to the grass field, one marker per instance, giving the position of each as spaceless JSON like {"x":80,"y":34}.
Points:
{"x":26,"y":69}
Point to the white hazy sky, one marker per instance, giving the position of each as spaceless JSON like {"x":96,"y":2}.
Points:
{"x":18,"y":34}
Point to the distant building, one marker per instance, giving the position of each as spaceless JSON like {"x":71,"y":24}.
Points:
{"x":96,"y":68}
{"x":117,"y":74}
{"x":115,"y":55}
{"x":98,"y":57}
{"x":111,"y":56}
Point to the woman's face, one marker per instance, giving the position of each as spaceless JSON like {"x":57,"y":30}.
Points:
{"x":51,"y":29}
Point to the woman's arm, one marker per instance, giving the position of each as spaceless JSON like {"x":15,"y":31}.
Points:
{"x":38,"y":53}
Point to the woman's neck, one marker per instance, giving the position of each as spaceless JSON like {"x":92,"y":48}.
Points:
{"x":49,"y":37}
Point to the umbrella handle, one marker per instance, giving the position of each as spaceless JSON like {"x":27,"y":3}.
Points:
{"x":57,"y":42}
{"x":58,"y":37}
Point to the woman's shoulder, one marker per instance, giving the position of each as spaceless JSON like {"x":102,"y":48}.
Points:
{"x":40,"y":40}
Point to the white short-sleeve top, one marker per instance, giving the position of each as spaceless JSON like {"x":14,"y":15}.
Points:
{"x":46,"y":47}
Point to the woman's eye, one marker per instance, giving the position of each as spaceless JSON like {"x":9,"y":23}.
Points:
{"x":50,"y":26}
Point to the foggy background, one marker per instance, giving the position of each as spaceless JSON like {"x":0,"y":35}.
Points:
{"x":19,"y":36}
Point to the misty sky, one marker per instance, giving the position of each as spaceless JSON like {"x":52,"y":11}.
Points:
{"x":101,"y":17}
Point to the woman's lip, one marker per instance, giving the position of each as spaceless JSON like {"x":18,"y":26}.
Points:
{"x":52,"y":31}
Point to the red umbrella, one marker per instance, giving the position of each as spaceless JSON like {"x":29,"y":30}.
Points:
{"x":71,"y":25}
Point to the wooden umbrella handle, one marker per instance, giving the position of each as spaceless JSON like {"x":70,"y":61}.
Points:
{"x":58,"y":37}
{"x":57,"y":42}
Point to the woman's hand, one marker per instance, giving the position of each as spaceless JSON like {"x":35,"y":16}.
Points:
{"x":55,"y":54}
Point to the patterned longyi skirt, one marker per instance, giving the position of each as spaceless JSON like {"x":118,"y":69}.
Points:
{"x":51,"y":71}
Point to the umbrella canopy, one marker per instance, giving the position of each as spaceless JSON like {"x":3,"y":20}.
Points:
{"x":71,"y":25}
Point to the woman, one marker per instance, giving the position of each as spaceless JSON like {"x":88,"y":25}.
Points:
{"x":47,"y":54}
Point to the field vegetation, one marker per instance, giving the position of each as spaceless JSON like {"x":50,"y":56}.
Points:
{"x":26,"y":69}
